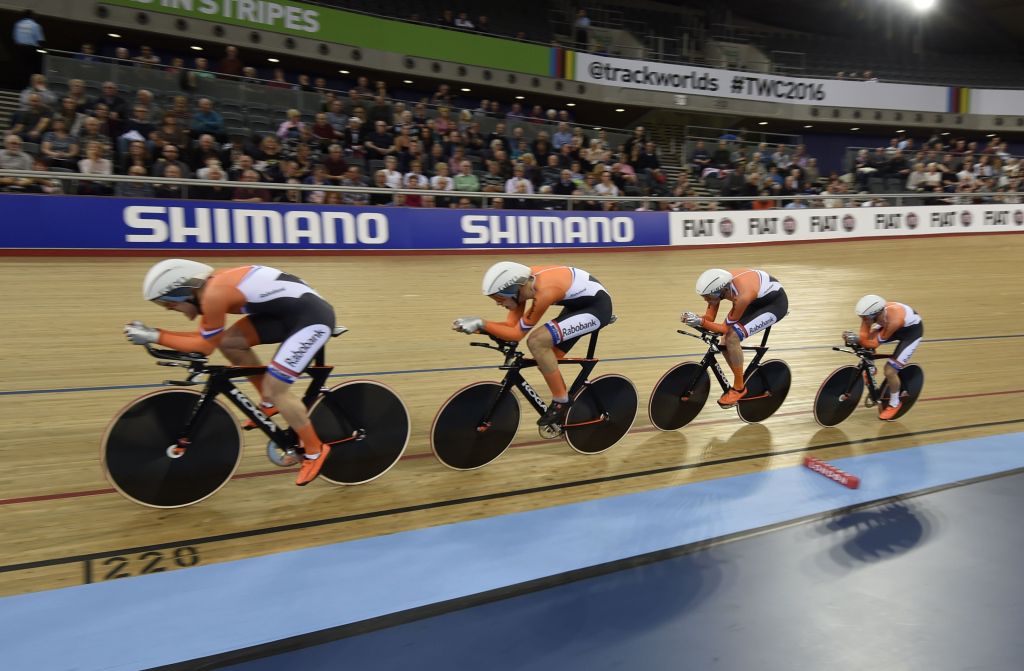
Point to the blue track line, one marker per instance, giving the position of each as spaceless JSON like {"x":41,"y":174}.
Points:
{"x":416,"y":371}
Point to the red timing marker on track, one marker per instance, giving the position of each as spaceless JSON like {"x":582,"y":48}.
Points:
{"x":832,"y":473}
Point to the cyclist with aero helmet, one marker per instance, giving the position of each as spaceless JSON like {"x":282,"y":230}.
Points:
{"x":758,"y":301}
{"x":882,"y":322}
{"x":278,"y":308}
{"x":586,"y":307}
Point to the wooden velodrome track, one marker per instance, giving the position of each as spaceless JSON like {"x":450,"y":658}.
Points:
{"x":61,"y":524}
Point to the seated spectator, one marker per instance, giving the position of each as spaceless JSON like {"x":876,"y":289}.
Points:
{"x":607,"y":187}
{"x":137,"y":128}
{"x":268,"y":157}
{"x":514,"y":184}
{"x":115,"y":104}
{"x":354,"y":179}
{"x":251,"y":193}
{"x":170,"y":156}
{"x":139,"y":189}
{"x":291,"y":126}
{"x":781,"y":157}
{"x":380,"y":181}
{"x":493,"y":181}
{"x":335,"y":165}
{"x":463,"y":22}
{"x":37,"y":85}
{"x":95,"y":164}
{"x":43,"y":184}
{"x":231,"y":64}
{"x":324,"y":132}
{"x":205,"y":148}
{"x":721,"y":159}
{"x":13,"y":158}
{"x":810,"y":170}
{"x":797,"y":203}
{"x":764,"y":202}
{"x":562,"y":136}
{"x":207,"y":120}
{"x":700,"y":158}
{"x":170,"y":171}
{"x":146,"y":57}
{"x":136,"y":156}
{"x":68,"y":112}
{"x":415,"y":179}
{"x":31,"y":123}
{"x":59,"y":147}
{"x":380,"y":143}
{"x":917,"y":178}
{"x":552,"y":172}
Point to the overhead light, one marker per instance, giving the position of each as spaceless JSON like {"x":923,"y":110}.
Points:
{"x":902,"y":130}
{"x":196,"y":48}
{"x":991,"y":135}
{"x":114,"y":35}
{"x":464,"y":89}
{"x":808,"y":126}
{"x":343,"y":72}
{"x":762,"y":123}
{"x":407,"y":81}
{"x":597,"y":128}
{"x":273,"y":60}
{"x":946,"y":133}
{"x":619,"y":109}
{"x":40,"y":51}
{"x":520,"y":97}
{"x":570,"y":104}
{"x":923,"y":5}
{"x":855,"y":128}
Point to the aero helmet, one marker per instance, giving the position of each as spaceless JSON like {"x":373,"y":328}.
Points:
{"x":870,"y":305}
{"x":174,"y":280}
{"x":713,"y":282}
{"x":504,"y":278}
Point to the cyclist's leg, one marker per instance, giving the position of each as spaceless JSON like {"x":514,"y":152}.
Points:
{"x":246,"y":333}
{"x":560,"y":334}
{"x":759,"y":315}
{"x":909,"y":338}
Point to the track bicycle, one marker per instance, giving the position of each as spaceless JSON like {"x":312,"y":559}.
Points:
{"x":841,"y":391}
{"x":176,"y":447}
{"x":681,"y":393}
{"x":478,"y":422}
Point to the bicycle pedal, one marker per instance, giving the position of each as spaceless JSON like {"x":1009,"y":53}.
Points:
{"x":550,"y":432}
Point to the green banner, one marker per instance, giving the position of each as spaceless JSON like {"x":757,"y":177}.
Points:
{"x":359,"y":30}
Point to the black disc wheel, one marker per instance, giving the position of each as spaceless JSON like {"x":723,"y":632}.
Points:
{"x":838,"y":395}
{"x":679,"y":396}
{"x":462,"y":439}
{"x":767,"y":388}
{"x":601,"y":414}
{"x":138,"y":457}
{"x":911,"y":384}
{"x":366,"y":425}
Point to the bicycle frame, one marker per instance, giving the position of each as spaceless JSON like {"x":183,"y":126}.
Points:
{"x":710,"y":359}
{"x":220,"y":383}
{"x":865,"y":364}
{"x":516,"y":362}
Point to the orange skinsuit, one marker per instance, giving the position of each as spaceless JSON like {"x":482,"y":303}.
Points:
{"x":747,"y":284}
{"x":550,"y":284}
{"x":221,"y":297}
{"x":895,"y":317}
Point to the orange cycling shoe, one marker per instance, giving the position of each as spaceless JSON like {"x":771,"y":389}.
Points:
{"x":311,"y":467}
{"x":268,"y":410}
{"x":889,"y":413}
{"x":732,"y":397}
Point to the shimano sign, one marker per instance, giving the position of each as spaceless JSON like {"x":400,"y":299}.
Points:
{"x":157,"y":224}
{"x":534,"y":229}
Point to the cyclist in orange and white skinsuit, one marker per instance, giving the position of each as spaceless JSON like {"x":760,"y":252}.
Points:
{"x":586,"y":307}
{"x":278,"y":308}
{"x":882,"y":322}
{"x":758,"y":301}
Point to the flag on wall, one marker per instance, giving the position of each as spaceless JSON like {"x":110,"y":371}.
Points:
{"x":563,"y":63}
{"x":959,"y":100}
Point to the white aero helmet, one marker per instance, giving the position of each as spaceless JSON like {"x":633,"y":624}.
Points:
{"x":174,"y":280}
{"x":713,"y":281}
{"x":870,"y":305}
{"x":505,"y":278}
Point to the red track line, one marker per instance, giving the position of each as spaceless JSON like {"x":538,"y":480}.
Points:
{"x":422,"y":455}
